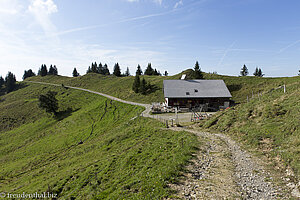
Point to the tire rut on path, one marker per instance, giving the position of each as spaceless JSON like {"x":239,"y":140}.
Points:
{"x":247,"y":179}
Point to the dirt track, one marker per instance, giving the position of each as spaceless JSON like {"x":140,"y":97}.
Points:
{"x":221,"y":169}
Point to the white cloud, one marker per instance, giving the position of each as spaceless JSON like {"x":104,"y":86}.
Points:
{"x":42,"y":10}
{"x":179,"y":3}
{"x":47,"y":6}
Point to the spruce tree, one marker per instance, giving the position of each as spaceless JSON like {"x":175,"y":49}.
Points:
{"x":55,"y":71}
{"x":100,"y":69}
{"x":260,"y":74}
{"x":105,"y":69}
{"x":139,"y":71}
{"x":117,"y":70}
{"x":127,"y":72}
{"x":149,"y":70}
{"x":10,"y":82}
{"x":256,"y":72}
{"x":28,"y":73}
{"x":43,"y":70}
{"x":49,"y":102}
{"x":75,"y":73}
{"x":299,"y":73}
{"x":197,"y":71}
{"x":89,"y":70}
{"x":51,"y":70}
{"x":143,"y":88}
{"x":136,"y":84}
{"x":94,"y":67}
{"x":166,"y":73}
{"x":244,"y":71}
{"x":1,"y":81}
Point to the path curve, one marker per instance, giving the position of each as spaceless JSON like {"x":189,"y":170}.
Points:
{"x":253,"y":185}
{"x":145,"y":113}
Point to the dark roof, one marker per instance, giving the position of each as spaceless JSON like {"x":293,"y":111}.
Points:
{"x":195,"y":89}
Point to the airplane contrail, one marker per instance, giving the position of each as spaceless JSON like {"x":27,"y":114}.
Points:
{"x":288,"y":46}
{"x":225,"y":53}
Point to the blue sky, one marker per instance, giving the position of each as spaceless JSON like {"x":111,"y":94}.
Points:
{"x":171,"y":34}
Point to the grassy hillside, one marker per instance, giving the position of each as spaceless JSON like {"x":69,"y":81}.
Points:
{"x":271,"y":123}
{"x":121,"y":87}
{"x":92,"y":150}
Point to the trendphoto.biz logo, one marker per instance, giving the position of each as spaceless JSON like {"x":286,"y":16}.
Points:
{"x":25,"y":195}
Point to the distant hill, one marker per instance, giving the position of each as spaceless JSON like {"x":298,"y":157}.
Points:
{"x":121,"y":87}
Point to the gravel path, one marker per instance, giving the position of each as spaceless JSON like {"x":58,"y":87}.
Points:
{"x":229,"y":172}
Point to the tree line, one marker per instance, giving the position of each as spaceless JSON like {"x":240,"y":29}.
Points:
{"x":258,"y":72}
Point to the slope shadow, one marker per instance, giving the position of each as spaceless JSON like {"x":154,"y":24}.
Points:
{"x":64,"y":114}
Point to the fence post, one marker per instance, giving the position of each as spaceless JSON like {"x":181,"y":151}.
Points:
{"x":284,"y":88}
{"x":167,"y":124}
{"x":247,"y":99}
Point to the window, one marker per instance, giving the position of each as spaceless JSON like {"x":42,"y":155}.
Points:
{"x":187,"y":93}
{"x":196,"y":90}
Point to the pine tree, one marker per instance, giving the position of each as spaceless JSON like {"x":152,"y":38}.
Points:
{"x":143,"y":87}
{"x":136,"y":84}
{"x":28,"y":73}
{"x":1,"y":81}
{"x":149,"y":70}
{"x":139,"y":71}
{"x":197,"y":71}
{"x":166,"y":73}
{"x":75,"y":73}
{"x":10,"y":82}
{"x":299,"y":73}
{"x":89,"y":70}
{"x":51,"y":70}
{"x":55,"y":71}
{"x":49,"y":102}
{"x":100,"y":69}
{"x":256,"y":73}
{"x":94,"y":67}
{"x":260,"y":74}
{"x":43,"y":70}
{"x":117,"y":70}
{"x":105,"y":69}
{"x":127,"y":72}
{"x":244,"y":71}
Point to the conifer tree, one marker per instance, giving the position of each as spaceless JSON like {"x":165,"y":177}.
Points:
{"x":143,"y":87}
{"x":256,"y":73}
{"x":117,"y":70}
{"x":100,"y":69}
{"x":244,"y":71}
{"x":75,"y":73}
{"x":260,"y":74}
{"x":166,"y":73}
{"x":197,"y":71}
{"x":51,"y":70}
{"x":1,"y":81}
{"x":89,"y":70}
{"x":105,"y":69}
{"x":149,"y":70}
{"x":10,"y":82}
{"x":139,"y":70}
{"x":94,"y":67}
{"x":43,"y":70}
{"x":127,"y":72}
{"x":55,"y":71}
{"x":136,"y":84}
{"x":28,"y":73}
